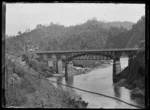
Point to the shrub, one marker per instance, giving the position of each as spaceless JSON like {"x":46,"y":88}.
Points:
{"x":15,"y":96}
{"x":28,"y":86}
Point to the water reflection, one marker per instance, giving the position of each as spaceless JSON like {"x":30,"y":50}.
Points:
{"x":70,"y":80}
{"x":117,"y":92}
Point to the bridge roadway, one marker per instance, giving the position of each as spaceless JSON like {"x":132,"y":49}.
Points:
{"x":97,"y":54}
{"x":88,"y":51}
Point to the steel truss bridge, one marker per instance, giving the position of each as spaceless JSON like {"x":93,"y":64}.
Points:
{"x":98,"y":54}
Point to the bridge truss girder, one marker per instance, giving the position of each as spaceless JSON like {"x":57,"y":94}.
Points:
{"x":90,"y":54}
{"x":92,"y":57}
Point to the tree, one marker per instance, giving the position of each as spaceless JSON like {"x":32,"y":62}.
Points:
{"x":19,"y":32}
{"x":27,"y":30}
{"x":38,"y":26}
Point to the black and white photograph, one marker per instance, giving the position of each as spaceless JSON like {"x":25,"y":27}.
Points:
{"x":73,"y":55}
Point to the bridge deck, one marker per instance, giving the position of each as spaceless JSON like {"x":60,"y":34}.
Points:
{"x":88,"y":51}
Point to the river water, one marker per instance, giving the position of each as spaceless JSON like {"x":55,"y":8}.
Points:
{"x":100,"y":81}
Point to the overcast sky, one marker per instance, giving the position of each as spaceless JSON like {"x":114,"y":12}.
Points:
{"x":19,"y":17}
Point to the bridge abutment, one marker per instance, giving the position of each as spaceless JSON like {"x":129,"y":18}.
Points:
{"x":116,"y":68}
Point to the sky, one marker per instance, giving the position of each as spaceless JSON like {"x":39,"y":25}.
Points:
{"x":22,"y":16}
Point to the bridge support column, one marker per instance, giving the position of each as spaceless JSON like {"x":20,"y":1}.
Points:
{"x":116,"y":68}
{"x":70,"y":69}
{"x":59,"y":66}
{"x":50,"y":62}
{"x":130,"y":60}
{"x":45,"y":58}
{"x":69,"y":72}
{"x":55,"y":64}
{"x":66,"y":70}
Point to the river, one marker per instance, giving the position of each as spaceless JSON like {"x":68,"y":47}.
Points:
{"x":100,"y":81}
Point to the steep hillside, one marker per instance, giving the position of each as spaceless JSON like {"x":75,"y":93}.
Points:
{"x":129,"y":38}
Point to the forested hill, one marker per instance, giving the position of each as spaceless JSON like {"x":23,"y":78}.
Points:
{"x":92,"y":34}
{"x":129,"y":38}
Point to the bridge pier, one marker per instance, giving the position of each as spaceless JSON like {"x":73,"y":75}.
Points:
{"x":59,"y":66}
{"x":70,"y":69}
{"x":116,"y":68}
{"x":56,"y":68}
{"x":66,"y":70}
{"x":130,"y":60}
{"x":69,"y":72}
{"x":50,"y":62}
{"x":55,"y":63}
{"x":45,"y":58}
